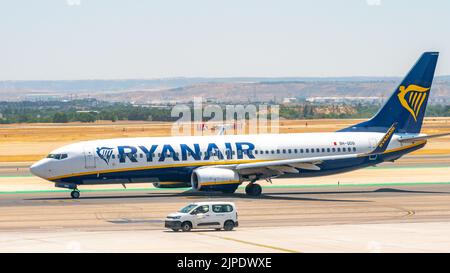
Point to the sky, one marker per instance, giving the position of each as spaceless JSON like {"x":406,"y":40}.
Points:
{"x":145,"y":39}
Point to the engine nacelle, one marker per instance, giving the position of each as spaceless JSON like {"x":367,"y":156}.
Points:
{"x":215,"y":179}
{"x":170,"y":185}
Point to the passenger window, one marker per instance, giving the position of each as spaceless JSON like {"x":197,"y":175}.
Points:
{"x":323,"y":150}
{"x":334,"y":150}
{"x":301,"y":151}
{"x":256,"y":152}
{"x":307,"y":150}
{"x":318,"y":150}
{"x":344,"y":149}
{"x":278,"y":151}
{"x":295,"y":151}
{"x":328,"y":150}
{"x":284,"y":151}
{"x":354,"y":149}
{"x":339,"y":149}
{"x":289,"y":151}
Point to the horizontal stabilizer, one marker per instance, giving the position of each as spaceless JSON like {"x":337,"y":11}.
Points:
{"x":423,"y":137}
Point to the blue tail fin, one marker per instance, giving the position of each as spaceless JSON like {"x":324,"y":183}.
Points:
{"x":407,"y":104}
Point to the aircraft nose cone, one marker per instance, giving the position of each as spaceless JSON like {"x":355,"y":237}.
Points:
{"x":40,"y":169}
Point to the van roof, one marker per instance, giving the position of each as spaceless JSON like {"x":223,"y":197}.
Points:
{"x":214,"y":203}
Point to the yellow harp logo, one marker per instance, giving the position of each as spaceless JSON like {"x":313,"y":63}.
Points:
{"x":412,"y":98}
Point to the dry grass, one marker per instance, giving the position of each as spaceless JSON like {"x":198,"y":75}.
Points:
{"x":30,"y":142}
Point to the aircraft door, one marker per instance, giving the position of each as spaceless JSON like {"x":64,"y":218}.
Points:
{"x":372,"y":143}
{"x":89,"y":158}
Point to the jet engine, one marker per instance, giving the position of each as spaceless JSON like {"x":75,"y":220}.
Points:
{"x":215,"y":179}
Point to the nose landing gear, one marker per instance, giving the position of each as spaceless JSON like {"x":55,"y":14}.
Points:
{"x":75,"y":194}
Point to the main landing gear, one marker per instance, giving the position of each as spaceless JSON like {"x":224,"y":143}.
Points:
{"x":75,"y":194}
{"x":253,"y":189}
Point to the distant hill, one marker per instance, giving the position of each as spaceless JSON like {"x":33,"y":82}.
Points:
{"x":220,"y":89}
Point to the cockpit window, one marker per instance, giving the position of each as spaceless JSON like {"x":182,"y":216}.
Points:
{"x":57,"y":156}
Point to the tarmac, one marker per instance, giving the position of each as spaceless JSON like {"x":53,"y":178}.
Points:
{"x":401,"y":207}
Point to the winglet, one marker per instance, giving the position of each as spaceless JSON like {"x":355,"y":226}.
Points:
{"x":384,"y":142}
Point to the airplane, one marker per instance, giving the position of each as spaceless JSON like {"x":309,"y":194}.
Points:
{"x":223,"y":162}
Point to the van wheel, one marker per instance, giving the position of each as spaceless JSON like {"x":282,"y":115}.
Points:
{"x":186,"y":226}
{"x":228,"y":226}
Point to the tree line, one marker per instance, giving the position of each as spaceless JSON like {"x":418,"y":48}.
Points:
{"x":80,"y":110}
{"x":91,"y":110}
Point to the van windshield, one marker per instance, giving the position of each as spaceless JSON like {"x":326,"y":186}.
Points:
{"x":188,"y":208}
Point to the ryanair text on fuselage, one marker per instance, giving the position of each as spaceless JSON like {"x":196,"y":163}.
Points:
{"x":192,"y":151}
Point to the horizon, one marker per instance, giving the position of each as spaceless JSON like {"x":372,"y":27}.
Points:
{"x":361,"y":78}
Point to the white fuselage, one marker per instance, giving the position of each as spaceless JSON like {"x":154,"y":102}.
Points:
{"x":137,"y":154}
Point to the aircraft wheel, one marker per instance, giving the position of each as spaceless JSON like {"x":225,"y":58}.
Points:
{"x":253,"y":189}
{"x":75,"y":194}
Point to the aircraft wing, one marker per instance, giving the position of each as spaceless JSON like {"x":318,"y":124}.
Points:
{"x":282,"y":166}
{"x":288,"y":165}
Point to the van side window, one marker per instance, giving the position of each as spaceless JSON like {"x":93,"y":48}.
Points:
{"x":222,"y":208}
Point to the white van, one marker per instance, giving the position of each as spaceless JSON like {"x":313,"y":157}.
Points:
{"x":215,"y":215}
